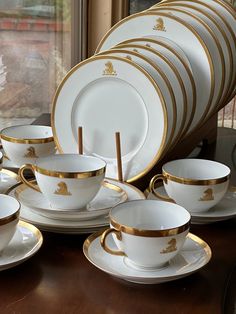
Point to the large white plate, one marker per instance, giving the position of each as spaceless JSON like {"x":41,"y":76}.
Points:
{"x":171,"y":51}
{"x":25,"y":243}
{"x":193,"y":256}
{"x":214,"y":47}
{"x":74,"y":227}
{"x":219,"y":27}
{"x":175,"y":29}
{"x":108,"y":196}
{"x":108,"y":94}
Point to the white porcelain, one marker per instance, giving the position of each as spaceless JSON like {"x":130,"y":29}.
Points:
{"x":9,"y":217}
{"x":194,"y":255}
{"x":108,"y":196}
{"x":74,"y":227}
{"x":165,"y":25}
{"x":90,"y":96}
{"x":26,"y":241}
{"x":224,"y":210}
{"x":171,"y":72}
{"x":25,"y":143}
{"x":220,"y":35}
{"x":68,"y":181}
{"x":148,"y":232}
{"x":163,"y":82}
{"x":172,"y":52}
{"x":7,"y":179}
{"x":195,"y":184}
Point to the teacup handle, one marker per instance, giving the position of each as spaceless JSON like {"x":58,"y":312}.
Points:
{"x":24,"y":180}
{"x":159,"y":177}
{"x":104,"y":245}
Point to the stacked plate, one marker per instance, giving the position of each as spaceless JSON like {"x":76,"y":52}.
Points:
{"x":156,"y":77}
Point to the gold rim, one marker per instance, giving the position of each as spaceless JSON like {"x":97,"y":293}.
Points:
{"x":182,"y":130}
{"x":69,"y":175}
{"x":10,"y":218}
{"x":10,"y":174}
{"x":193,"y":181}
{"x":141,"y":194}
{"x":162,"y":100}
{"x":35,"y":231}
{"x":25,"y":140}
{"x":189,"y":27}
{"x":169,"y":87}
{"x":221,"y":96}
{"x":191,"y":78}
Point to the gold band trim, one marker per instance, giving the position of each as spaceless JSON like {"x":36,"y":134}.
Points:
{"x":69,"y":175}
{"x":10,"y":218}
{"x":149,"y":233}
{"x":26,"y":140}
{"x":194,"y":182}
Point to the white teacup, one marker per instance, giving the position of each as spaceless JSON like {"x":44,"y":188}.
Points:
{"x":148,"y":232}
{"x":25,"y":143}
{"x":9,"y":217}
{"x":195,"y":184}
{"x":68,"y":181}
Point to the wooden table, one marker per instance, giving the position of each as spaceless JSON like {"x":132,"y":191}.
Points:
{"x":59,"y":279}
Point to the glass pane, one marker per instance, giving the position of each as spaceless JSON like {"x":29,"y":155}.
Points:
{"x":35,"y":52}
{"x":140,"y":5}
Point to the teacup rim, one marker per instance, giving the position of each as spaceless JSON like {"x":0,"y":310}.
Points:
{"x":150,"y":233}
{"x":13,"y":216}
{"x":13,"y":139}
{"x":191,"y":181}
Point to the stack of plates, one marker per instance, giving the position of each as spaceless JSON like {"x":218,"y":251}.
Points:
{"x":156,"y":77}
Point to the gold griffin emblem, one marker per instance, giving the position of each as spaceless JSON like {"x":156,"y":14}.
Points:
{"x":62,"y":189}
{"x":171,"y":247}
{"x":30,"y":153}
{"x":159,"y":25}
{"x":109,"y":69}
{"x":207,"y":195}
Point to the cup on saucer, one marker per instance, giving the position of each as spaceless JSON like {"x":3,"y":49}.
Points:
{"x":25,"y":143}
{"x":148,"y":233}
{"x":195,"y":184}
{"x":68,"y":181}
{"x":9,"y":217}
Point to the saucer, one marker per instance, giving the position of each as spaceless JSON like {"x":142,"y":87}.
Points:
{"x":7,"y":163}
{"x":108,"y":196}
{"x":7,"y":179}
{"x":25,"y":243}
{"x":194,"y":255}
{"x":224,"y":210}
{"x":74,"y":227}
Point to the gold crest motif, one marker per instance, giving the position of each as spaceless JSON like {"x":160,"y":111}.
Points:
{"x":109,"y":69}
{"x":171,"y":247}
{"x":159,"y":25}
{"x":30,"y":153}
{"x":62,"y":189}
{"x":207,"y":195}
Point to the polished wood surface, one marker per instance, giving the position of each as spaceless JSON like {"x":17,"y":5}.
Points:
{"x":59,"y":279}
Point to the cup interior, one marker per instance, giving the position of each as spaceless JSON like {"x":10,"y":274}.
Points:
{"x":196,"y":169}
{"x":9,"y":206}
{"x":28,"y":132}
{"x":70,"y":163}
{"x":150,"y":215}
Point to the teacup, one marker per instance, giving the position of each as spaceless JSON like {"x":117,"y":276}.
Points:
{"x":9,"y":217}
{"x":1,"y":160}
{"x":195,"y":184}
{"x":68,"y":181}
{"x":25,"y":143}
{"x":147,"y":232}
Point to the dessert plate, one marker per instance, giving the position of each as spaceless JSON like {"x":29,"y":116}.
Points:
{"x":7,"y":179}
{"x":184,"y":35}
{"x":74,"y":227}
{"x":90,"y":96}
{"x":224,"y":210}
{"x":194,"y":255}
{"x":25,"y":243}
{"x":109,"y":196}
